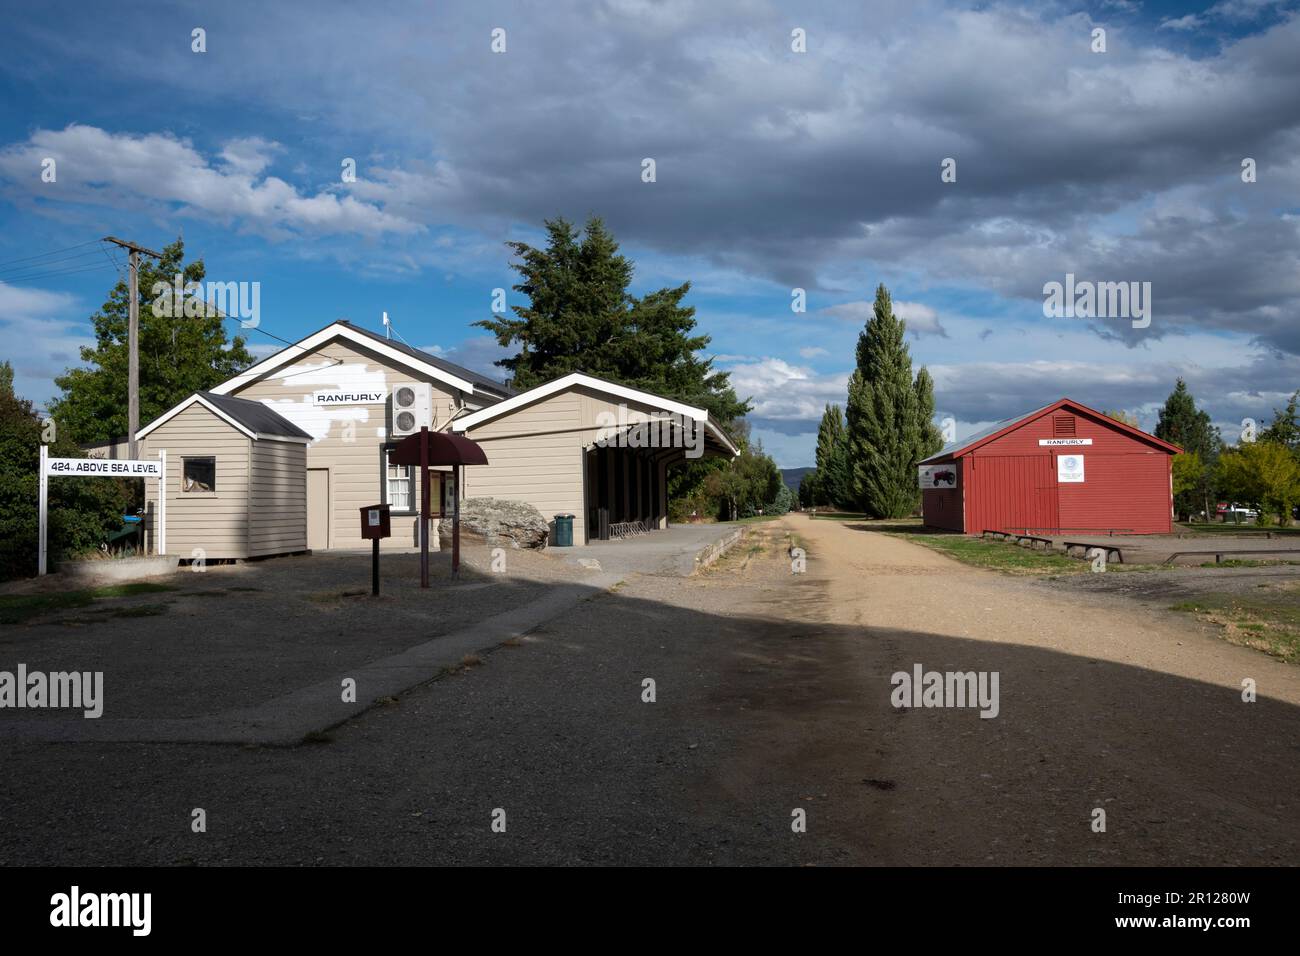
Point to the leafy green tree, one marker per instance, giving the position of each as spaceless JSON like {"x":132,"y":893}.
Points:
{"x":179,"y":355}
{"x":1263,"y":472}
{"x":809,"y":492}
{"x":749,"y":483}
{"x":1285,"y":429}
{"x":889,"y":413}
{"x":1189,"y":477}
{"x":81,"y":510}
{"x":832,"y":481}
{"x":1186,"y":426}
{"x":1122,"y":416}
{"x":782,"y":503}
{"x":580,"y":317}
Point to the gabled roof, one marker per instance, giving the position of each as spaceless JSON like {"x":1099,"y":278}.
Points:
{"x":967,"y":445}
{"x":449,"y":373}
{"x":581,"y":379}
{"x":254,"y":419}
{"x":481,"y":382}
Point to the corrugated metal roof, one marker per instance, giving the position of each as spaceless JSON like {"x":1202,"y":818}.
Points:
{"x":956,"y":447}
{"x":256,"y":417}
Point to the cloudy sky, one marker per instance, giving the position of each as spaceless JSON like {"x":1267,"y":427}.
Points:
{"x":774,"y":170}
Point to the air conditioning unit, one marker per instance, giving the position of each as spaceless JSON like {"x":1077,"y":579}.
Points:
{"x":412,"y":404}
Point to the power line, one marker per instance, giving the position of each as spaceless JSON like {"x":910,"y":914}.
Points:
{"x":10,"y":280}
{"x":41,"y":255}
{"x":103,"y":247}
{"x":61,"y":260}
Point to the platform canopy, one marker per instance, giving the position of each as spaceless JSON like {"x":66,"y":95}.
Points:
{"x":444,"y":449}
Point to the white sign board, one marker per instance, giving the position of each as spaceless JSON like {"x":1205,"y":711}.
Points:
{"x":1069,"y":468}
{"x":102,"y":468}
{"x":1064,"y":441}
{"x":372,"y":517}
{"x":936,"y":476}
{"x":331,"y":397}
{"x":96,"y":468}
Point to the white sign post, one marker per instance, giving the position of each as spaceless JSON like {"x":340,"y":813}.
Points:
{"x":45,"y":501}
{"x":99,"y":468}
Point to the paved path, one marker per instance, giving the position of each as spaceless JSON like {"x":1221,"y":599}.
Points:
{"x":677,"y":550}
{"x":287,"y":719}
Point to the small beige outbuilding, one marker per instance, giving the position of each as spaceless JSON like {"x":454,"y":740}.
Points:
{"x":236,"y":480}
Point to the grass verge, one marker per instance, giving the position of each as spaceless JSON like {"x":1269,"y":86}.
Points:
{"x":1268,"y":621}
{"x":999,"y":555}
{"x":20,"y":608}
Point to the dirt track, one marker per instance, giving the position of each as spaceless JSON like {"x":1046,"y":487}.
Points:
{"x":1103,"y":704}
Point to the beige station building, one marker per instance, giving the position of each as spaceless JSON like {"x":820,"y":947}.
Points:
{"x":281,"y":458}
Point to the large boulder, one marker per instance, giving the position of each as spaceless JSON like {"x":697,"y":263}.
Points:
{"x":501,"y":521}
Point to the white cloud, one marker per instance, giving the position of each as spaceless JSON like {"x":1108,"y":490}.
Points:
{"x":921,"y":319}
{"x":123,"y":170}
{"x":1189,"y":22}
{"x":40,"y":337}
{"x":785,"y":393}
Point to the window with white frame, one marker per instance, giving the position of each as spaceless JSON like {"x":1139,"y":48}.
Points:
{"x":399,"y":485}
{"x":198,"y":475}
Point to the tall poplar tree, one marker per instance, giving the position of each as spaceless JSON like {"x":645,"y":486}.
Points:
{"x":831,"y":485}
{"x":889,"y":412}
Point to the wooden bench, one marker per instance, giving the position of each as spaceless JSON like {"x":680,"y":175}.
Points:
{"x":1218,"y":554}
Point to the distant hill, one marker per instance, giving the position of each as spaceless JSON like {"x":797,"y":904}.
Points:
{"x":792,"y":477}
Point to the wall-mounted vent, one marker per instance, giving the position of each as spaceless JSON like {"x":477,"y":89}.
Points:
{"x":1062,"y":426}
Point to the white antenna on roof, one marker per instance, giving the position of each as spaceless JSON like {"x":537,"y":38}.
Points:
{"x":389,"y":327}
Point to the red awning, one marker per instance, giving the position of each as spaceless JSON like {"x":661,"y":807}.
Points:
{"x":444,"y":449}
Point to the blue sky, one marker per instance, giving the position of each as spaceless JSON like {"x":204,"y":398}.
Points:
{"x":775,"y":170}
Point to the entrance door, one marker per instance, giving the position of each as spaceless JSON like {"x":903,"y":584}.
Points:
{"x":318,"y":508}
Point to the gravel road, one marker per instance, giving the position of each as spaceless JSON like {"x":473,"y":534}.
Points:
{"x":772,"y":695}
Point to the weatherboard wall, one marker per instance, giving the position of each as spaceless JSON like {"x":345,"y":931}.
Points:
{"x":208,"y":525}
{"x":277,"y":498}
{"x":347,"y":439}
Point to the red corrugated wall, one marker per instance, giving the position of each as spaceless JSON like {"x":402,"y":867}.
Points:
{"x":1124,"y":492}
{"x":1006,"y":492}
{"x":1011,"y":481}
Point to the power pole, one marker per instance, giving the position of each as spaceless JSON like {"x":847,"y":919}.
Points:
{"x":133,"y":339}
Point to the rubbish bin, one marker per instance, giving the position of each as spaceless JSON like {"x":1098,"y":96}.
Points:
{"x":564,"y":531}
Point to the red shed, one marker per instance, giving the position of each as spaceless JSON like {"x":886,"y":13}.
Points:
{"x":1063,"y":468}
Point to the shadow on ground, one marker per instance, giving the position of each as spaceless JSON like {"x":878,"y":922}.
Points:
{"x":757,"y":715}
